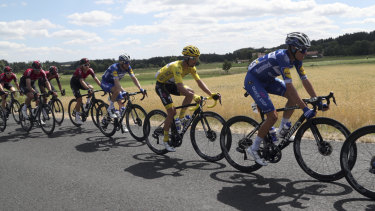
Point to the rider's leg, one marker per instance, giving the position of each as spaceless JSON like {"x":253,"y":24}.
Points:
{"x":89,"y":97}
{"x":187,"y":100}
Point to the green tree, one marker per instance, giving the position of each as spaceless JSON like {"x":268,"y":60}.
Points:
{"x":226,"y":66}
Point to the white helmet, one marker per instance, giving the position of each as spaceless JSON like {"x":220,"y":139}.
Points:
{"x":124,"y":58}
{"x":298,"y":40}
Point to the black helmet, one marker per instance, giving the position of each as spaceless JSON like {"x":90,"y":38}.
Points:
{"x":53,"y":70}
{"x":83,"y":61}
{"x":36,"y":65}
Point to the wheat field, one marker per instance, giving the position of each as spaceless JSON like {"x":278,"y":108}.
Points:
{"x":353,"y":86}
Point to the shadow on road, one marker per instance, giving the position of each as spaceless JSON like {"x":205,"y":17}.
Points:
{"x":103,"y":143}
{"x":353,"y":204}
{"x":19,"y":134}
{"x":253,"y":191}
{"x":156,"y":166}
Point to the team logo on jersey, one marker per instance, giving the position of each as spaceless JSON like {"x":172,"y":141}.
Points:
{"x":115,"y":74}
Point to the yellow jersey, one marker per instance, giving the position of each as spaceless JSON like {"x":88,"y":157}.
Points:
{"x":174,"y":72}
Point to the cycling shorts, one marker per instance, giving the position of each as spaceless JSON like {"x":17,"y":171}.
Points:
{"x":164,"y":90}
{"x":259,"y":91}
{"x":76,"y":86}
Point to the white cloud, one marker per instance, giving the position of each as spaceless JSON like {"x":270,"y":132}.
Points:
{"x":3,"y":5}
{"x":104,"y":2}
{"x":72,"y":34}
{"x":21,"y":28}
{"x":364,"y":21}
{"x":84,"y":41}
{"x":93,"y":18}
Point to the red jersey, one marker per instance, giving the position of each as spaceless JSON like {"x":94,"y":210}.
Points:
{"x":4,"y":79}
{"x":29,"y":73}
{"x":50,"y":76}
{"x":80,"y":74}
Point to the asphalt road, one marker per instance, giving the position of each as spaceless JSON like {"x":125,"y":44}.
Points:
{"x":80,"y":169}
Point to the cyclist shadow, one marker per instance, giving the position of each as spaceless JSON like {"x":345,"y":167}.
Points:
{"x":19,"y":134}
{"x":69,"y":131}
{"x":255,"y":191}
{"x":103,"y":143}
{"x":157,"y":166}
{"x":355,"y":203}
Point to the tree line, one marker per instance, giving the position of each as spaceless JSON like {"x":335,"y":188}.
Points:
{"x":360,"y":43}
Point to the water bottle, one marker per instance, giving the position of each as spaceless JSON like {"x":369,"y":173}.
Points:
{"x":122,"y":110}
{"x":186,"y":119}
{"x":273,"y":134}
{"x":177,"y":122}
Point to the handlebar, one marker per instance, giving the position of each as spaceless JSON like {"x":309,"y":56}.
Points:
{"x":315,"y":101}
{"x":204,"y":99}
{"x":128,"y":94}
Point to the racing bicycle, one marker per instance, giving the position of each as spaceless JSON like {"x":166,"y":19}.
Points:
{"x":316,"y":145}
{"x":359,"y":167}
{"x":41,"y":115}
{"x":12,"y":107}
{"x":204,"y":132}
{"x":134,"y":115}
{"x":57,"y":108}
{"x":86,"y":110}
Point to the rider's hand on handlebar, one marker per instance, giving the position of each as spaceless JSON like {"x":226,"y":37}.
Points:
{"x":197,"y":98}
{"x":63,"y":92}
{"x":309,"y":113}
{"x":216,"y":96}
{"x":322,"y":106}
{"x":144,"y":92}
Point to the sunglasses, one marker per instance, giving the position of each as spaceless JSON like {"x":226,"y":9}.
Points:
{"x":127,"y":62}
{"x":86,"y":65}
{"x":303,"y":50}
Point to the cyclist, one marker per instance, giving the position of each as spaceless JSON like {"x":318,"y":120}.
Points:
{"x":78,"y":82}
{"x":169,"y":81}
{"x":111,"y":83}
{"x":261,"y":80}
{"x":51,"y":74}
{"x":27,"y":85}
{"x":5,"y":78}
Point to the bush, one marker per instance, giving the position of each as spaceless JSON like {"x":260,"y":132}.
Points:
{"x":226,"y":66}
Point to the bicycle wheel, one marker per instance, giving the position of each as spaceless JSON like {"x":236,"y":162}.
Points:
{"x":93,"y":110}
{"x":14,"y":109}
{"x":317,"y":146}
{"x":236,"y":136}
{"x":360,"y":174}
{"x":72,"y":114}
{"x":58,"y":111}
{"x":205,"y":136}
{"x":106,"y":124}
{"x":46,"y":119}
{"x":3,"y":120}
{"x":26,"y":123}
{"x":153,"y":131}
{"x":135,"y":118}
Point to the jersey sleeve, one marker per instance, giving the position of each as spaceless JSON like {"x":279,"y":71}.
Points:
{"x":130,"y":71}
{"x":287,"y":76}
{"x":92,"y":73}
{"x":300,"y":70}
{"x":195,"y":74}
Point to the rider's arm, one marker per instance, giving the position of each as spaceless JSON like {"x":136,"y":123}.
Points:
{"x":58,"y":83}
{"x":97,"y":80}
{"x":309,"y":88}
{"x":293,"y":94}
{"x":135,"y":81}
{"x":48,"y":85}
{"x":203,"y":86}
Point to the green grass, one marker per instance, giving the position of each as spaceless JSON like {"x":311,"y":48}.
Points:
{"x":146,"y":76}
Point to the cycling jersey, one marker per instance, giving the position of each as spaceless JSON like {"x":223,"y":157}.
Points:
{"x":30,"y":73}
{"x":261,"y":78}
{"x":114,"y":71}
{"x":174,"y":72}
{"x":49,"y":77}
{"x":78,"y":74}
{"x":5,"y":80}
{"x":275,"y":64}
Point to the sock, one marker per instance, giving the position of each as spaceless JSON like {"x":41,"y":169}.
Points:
{"x":182,"y":113}
{"x":111,"y":105}
{"x":256,"y":144}
{"x":88,"y":100}
{"x":166,"y":136}
{"x":283,"y":121}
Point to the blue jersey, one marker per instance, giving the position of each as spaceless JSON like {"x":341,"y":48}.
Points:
{"x":114,"y":71}
{"x":274,"y":64}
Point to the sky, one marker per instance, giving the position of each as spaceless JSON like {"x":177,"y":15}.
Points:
{"x":69,"y":30}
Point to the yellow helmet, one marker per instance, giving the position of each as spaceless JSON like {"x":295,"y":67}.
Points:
{"x":191,"y":50}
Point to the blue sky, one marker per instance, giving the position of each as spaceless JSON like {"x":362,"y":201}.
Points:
{"x":69,"y":30}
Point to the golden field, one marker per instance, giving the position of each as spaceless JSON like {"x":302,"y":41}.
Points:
{"x":353,"y":86}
